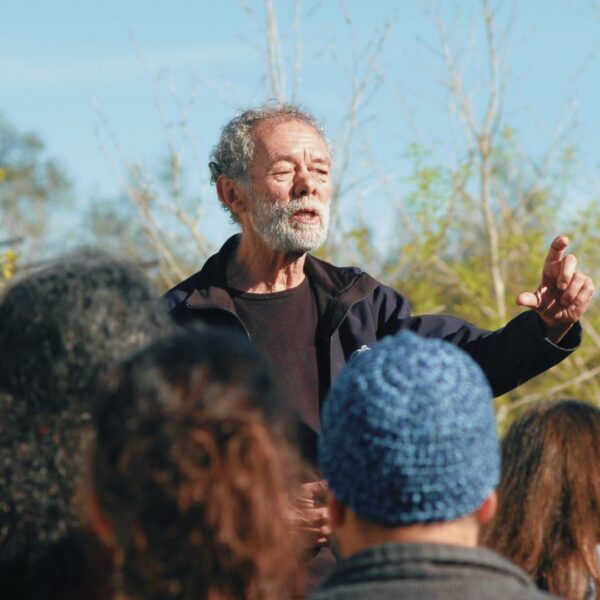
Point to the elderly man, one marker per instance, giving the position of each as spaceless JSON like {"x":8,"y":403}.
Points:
{"x":272,"y":170}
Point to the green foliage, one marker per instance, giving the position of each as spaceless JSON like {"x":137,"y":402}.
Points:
{"x":442,"y":261}
{"x":587,"y":226}
{"x":8,"y":261}
{"x":115,"y":224}
{"x":31,"y":185}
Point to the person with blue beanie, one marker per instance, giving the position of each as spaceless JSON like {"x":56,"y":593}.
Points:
{"x":410,"y":453}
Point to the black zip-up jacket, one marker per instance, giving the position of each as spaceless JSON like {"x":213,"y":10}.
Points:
{"x":355,"y":311}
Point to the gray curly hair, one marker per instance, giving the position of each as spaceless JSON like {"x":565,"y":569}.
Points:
{"x":235,"y":149}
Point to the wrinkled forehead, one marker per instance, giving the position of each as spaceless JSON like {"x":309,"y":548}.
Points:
{"x":283,"y":136}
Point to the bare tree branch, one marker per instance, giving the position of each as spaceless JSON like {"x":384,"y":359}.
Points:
{"x":547,"y":394}
{"x":274,"y":59}
{"x":297,"y":66}
{"x":139,"y":199}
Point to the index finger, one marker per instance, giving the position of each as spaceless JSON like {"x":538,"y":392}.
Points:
{"x":557,"y":248}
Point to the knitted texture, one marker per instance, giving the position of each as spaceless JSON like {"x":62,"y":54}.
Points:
{"x":408,"y":433}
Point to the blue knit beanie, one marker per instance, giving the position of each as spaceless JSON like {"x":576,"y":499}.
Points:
{"x":408,"y":433}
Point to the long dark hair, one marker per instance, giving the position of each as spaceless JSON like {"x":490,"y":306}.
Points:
{"x":548,"y":519}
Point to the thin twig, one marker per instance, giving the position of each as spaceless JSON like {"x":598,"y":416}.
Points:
{"x":274,"y":60}
{"x":546,"y":394}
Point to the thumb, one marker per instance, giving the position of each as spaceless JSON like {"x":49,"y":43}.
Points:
{"x":528,"y":299}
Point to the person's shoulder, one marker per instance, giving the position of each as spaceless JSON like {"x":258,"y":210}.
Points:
{"x":211,"y":273}
{"x":347,"y":592}
{"x":180,"y":292}
{"x":535,"y":594}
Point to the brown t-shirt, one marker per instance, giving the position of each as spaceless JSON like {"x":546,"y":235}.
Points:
{"x":283,"y":326}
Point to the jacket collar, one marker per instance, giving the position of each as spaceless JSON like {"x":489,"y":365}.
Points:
{"x":336,"y":288}
{"x":410,"y":560}
{"x":210,"y":285}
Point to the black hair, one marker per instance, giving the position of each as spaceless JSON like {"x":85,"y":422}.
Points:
{"x":60,"y":327}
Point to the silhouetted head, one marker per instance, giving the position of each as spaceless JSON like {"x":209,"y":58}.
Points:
{"x":61,"y":328}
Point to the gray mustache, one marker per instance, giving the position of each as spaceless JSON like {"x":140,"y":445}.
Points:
{"x":296,"y":204}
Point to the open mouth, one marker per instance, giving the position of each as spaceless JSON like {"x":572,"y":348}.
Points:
{"x":307,"y":215}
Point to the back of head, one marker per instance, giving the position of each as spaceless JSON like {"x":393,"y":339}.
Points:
{"x":61,"y":326}
{"x":60,"y":329}
{"x":189,"y":473}
{"x":409,"y":435}
{"x":548,"y":519}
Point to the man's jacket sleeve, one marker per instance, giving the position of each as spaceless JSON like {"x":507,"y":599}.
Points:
{"x":509,"y":356}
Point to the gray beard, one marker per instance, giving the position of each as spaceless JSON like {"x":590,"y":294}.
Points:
{"x":273,"y":221}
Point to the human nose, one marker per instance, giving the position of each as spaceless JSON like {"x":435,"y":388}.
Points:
{"x":305,"y":183}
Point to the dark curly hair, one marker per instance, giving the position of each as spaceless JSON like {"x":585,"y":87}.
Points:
{"x":190,"y":473}
{"x":548,"y":518}
{"x":61,"y":328}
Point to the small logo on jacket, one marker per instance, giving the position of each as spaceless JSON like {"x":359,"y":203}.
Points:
{"x":359,"y":351}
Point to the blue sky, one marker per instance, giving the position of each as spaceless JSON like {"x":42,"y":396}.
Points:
{"x":73,"y":70}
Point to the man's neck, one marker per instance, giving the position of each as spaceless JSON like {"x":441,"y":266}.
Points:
{"x":461,"y":532}
{"x":258,"y":269}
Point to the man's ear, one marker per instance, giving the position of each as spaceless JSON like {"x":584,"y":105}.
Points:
{"x":98,"y":521}
{"x":337,"y":511}
{"x":231,"y":194}
{"x":487,"y":511}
